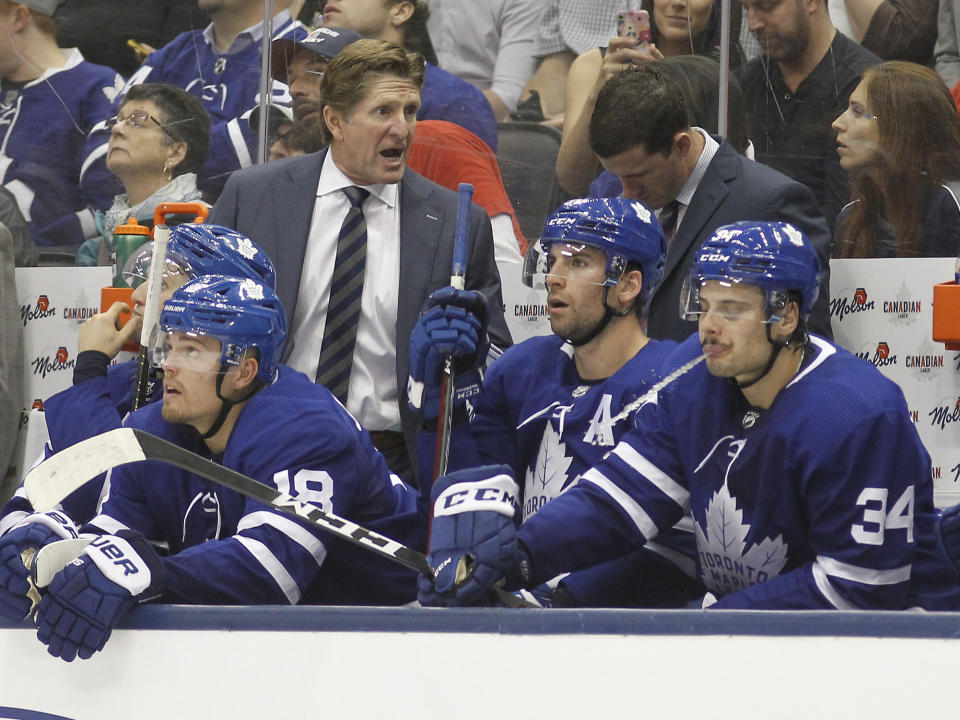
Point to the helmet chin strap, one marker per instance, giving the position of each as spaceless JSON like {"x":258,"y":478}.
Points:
{"x":225,"y":403}
{"x":778,"y":345}
{"x":608,"y":314}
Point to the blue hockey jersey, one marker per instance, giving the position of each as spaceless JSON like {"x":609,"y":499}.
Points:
{"x":447,"y":97}
{"x":823,"y":500}
{"x":538,"y":416}
{"x":227,"y":84}
{"x":222,"y":547}
{"x":54,"y":168}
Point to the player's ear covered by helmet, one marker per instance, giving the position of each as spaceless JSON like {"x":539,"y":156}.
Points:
{"x":239,"y":312}
{"x":197,"y":250}
{"x":624,"y":230}
{"x":773,"y":256}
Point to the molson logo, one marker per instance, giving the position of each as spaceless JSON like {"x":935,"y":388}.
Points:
{"x":845,"y":304}
{"x":880,"y":356}
{"x":39,"y":311}
{"x":945,"y":412}
{"x":45,"y":364}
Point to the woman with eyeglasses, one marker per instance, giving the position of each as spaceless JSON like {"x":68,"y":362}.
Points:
{"x":899,"y":141}
{"x":158,"y":140}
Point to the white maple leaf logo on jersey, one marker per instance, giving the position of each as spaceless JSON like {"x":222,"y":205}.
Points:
{"x":111,"y":93}
{"x":547,"y":477}
{"x":725,"y":567}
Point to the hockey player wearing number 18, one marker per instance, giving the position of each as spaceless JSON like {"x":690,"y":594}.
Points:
{"x":227,"y":398}
{"x":546,"y":406}
{"x":806,"y":478}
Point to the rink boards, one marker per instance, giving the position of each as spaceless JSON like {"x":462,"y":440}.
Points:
{"x":275,"y":662}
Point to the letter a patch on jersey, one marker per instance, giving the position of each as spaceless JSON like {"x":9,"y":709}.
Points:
{"x":600,"y":431}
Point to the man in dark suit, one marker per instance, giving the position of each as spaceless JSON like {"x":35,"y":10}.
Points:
{"x":298,"y":210}
{"x":641,"y":133}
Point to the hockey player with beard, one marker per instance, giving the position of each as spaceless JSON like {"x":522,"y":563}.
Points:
{"x":228,"y":398}
{"x":805,"y":476}
{"x":546,"y":406}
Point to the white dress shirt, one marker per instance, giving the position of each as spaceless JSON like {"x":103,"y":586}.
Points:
{"x":373,"y":395}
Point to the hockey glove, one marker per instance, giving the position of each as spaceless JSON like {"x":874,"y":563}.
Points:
{"x":948,"y":536}
{"x":453,"y":324}
{"x":18,"y":595}
{"x":473,"y":543}
{"x":88,"y":597}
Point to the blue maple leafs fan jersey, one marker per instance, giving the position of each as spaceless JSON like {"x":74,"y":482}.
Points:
{"x":227,"y":84}
{"x":824,"y":500}
{"x":54,"y":168}
{"x":538,"y":416}
{"x":225,"y":548}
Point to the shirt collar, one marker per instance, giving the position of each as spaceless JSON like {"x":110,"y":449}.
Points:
{"x":249,"y":36}
{"x":332,"y":179}
{"x":710,"y":147}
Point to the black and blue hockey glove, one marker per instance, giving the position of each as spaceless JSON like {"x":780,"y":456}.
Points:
{"x":453,"y":324}
{"x":473,"y":540}
{"x":948,"y":536}
{"x":17,"y":546}
{"x":88,"y":597}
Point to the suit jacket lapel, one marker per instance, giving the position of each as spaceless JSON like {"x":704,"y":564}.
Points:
{"x":709,"y":194}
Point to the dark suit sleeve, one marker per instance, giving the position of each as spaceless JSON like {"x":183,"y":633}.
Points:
{"x":796,"y":204}
{"x":483,"y":276}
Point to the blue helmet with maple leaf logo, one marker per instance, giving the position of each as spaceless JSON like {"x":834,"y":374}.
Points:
{"x":624,"y":230}
{"x":774,"y":256}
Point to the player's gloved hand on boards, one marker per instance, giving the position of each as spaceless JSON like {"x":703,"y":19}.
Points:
{"x":948,"y":536}
{"x":89,"y":596}
{"x":17,"y":548}
{"x":453,"y":324}
{"x":473,"y":540}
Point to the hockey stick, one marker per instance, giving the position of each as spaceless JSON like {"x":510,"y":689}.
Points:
{"x":62,"y":473}
{"x":151,"y":311}
{"x":461,"y":251}
{"x":657,"y":387}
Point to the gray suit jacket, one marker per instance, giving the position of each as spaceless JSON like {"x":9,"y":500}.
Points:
{"x":11,"y":362}
{"x":732,"y":189}
{"x":273,"y":204}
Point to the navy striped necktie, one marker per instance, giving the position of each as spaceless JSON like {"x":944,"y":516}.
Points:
{"x":346,"y":289}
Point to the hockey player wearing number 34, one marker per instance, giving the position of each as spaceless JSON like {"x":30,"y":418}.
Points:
{"x":806,"y":479}
{"x":226,"y":397}
{"x":546,"y":406}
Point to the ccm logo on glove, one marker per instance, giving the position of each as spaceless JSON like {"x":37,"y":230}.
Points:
{"x":496,"y":494}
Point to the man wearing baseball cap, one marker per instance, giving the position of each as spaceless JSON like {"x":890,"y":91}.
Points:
{"x":49,"y":100}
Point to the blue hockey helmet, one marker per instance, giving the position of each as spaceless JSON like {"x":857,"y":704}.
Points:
{"x":623,"y":229}
{"x":204,"y":249}
{"x":773,"y":256}
{"x":239,"y":312}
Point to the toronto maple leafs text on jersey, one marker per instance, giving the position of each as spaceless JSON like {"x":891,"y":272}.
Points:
{"x":222,"y":547}
{"x":822,"y":500}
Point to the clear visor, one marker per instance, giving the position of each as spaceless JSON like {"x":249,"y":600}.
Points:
{"x":569,"y":261}
{"x":184,"y":351}
{"x":729,"y":307}
{"x":137,"y":267}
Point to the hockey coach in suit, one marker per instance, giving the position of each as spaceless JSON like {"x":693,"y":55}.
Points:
{"x":640,"y":131}
{"x":302,"y":212}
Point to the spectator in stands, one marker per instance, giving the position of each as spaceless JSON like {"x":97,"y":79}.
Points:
{"x":404,"y":22}
{"x":220,"y":65}
{"x":488,"y":44}
{"x":696,"y":75}
{"x":678,"y":27}
{"x":101,"y":29}
{"x":49,"y":101}
{"x":899,"y":139}
{"x":895,"y":30}
{"x":947,"y":51}
{"x":296,"y":139}
{"x":640,"y":131}
{"x":795,"y":89}
{"x":296,"y":209}
{"x":159,"y":139}
{"x":449,"y":155}
{"x":11,"y":363}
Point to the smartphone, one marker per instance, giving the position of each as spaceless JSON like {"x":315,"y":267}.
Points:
{"x":634,"y":24}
